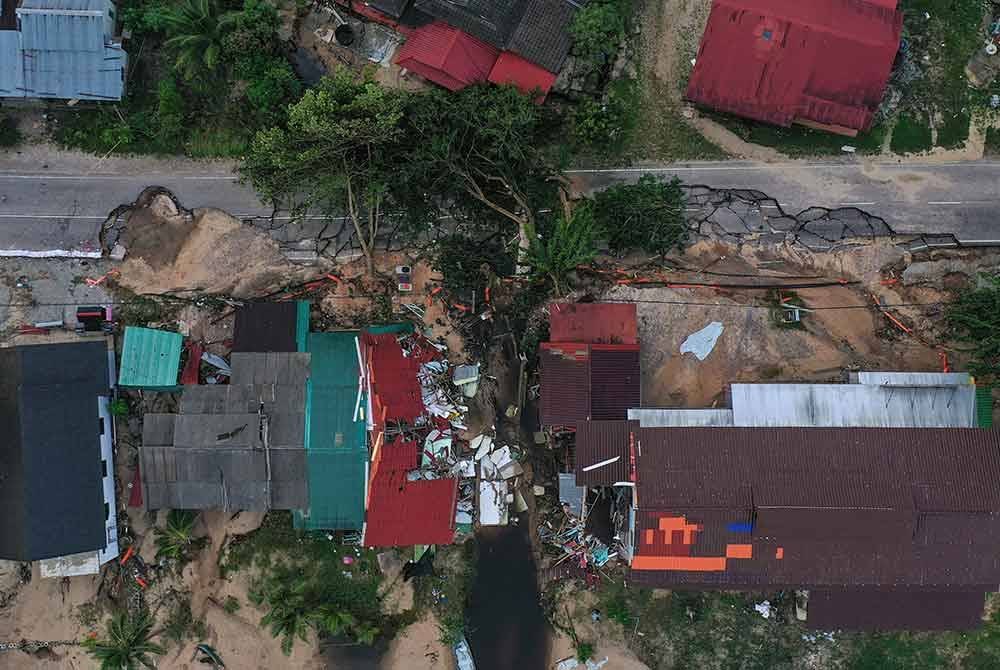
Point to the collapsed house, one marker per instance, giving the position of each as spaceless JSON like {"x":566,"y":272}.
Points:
{"x":65,"y":49}
{"x":407,"y":504}
{"x":824,"y":65}
{"x":455,"y":44}
{"x":57,"y":485}
{"x":880,"y":490}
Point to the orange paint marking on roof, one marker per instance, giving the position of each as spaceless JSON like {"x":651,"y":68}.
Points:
{"x":692,"y":563}
{"x":668,"y":524}
{"x":779,"y":553}
{"x":739,"y":551}
{"x":650,"y":536}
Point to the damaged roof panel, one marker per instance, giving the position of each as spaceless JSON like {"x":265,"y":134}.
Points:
{"x":593,"y":323}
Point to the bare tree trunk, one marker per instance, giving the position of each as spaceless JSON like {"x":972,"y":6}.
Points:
{"x":366,"y":241}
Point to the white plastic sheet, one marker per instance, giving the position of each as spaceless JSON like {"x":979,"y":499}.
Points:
{"x":702,"y":342}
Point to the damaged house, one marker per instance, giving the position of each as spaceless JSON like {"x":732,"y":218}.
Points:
{"x":878,"y":498}
{"x":57,"y":484}
{"x":455,"y":44}
{"x":824,"y":65}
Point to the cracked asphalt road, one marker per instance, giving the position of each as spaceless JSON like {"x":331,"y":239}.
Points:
{"x":57,"y":209}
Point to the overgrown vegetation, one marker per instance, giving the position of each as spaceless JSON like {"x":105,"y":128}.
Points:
{"x":598,"y":29}
{"x":647,"y":215}
{"x":304,"y":584}
{"x":203,"y":74}
{"x":800,"y":141}
{"x":974,"y":321}
{"x":569,"y":243}
{"x":180,"y":624}
{"x":446,"y":590}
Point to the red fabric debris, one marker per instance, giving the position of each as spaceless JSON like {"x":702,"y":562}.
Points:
{"x":135,"y":495}
{"x":783,"y":61}
{"x":530,"y":78}
{"x":447,"y":56}
{"x":189,"y":375}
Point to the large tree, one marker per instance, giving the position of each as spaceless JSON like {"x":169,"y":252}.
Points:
{"x":342,"y":152}
{"x":646,"y":215}
{"x":195,"y":30}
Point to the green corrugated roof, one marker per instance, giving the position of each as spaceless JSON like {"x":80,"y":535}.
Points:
{"x":301,"y":324}
{"x":336,"y":444}
{"x":984,"y":406}
{"x":398,"y":328}
{"x":150,"y":358}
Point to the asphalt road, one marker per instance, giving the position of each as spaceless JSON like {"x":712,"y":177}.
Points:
{"x":58,"y":209}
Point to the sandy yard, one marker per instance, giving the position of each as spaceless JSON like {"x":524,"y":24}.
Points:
{"x":606,"y":636}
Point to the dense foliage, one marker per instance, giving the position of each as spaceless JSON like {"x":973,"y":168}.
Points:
{"x":176,"y":541}
{"x":974,"y":320}
{"x":647,"y":215}
{"x":203,"y":74}
{"x":569,"y":244}
{"x":598,"y":29}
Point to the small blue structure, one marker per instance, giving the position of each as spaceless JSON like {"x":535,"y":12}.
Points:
{"x":62,"y":49}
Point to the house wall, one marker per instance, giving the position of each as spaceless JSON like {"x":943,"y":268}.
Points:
{"x":110,"y":550}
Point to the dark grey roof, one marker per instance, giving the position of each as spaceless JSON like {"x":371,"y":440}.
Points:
{"x":542,"y":35}
{"x":393,"y":8}
{"x":50,"y":454}
{"x":492,"y":21}
{"x":265,"y":326}
{"x":212,"y":454}
{"x":896,"y":609}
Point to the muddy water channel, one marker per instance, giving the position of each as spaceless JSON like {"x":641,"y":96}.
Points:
{"x":505,"y":625}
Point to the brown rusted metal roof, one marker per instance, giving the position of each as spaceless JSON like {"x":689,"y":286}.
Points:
{"x":600,"y":441}
{"x":816,"y":506}
{"x":896,"y":609}
{"x":588,"y":381}
{"x":593,"y":323}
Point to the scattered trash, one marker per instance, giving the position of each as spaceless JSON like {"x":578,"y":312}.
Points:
{"x":702,"y":342}
{"x":208,"y":655}
{"x":217,"y":362}
{"x":848,"y":149}
{"x":463,"y":655}
{"x":347,"y":560}
{"x":764,"y":609}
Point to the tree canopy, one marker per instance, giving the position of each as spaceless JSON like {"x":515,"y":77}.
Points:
{"x":646,"y":215}
{"x":974,"y":320}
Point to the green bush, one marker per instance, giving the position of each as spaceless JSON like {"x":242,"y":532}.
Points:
{"x":170,"y":115}
{"x":598,"y":28}
{"x":270,"y":87}
{"x":605,"y":126}
{"x":912,"y":134}
{"x":974,"y":321}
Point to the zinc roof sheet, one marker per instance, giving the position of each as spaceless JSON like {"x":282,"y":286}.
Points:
{"x":265,"y":326}
{"x":615,"y":384}
{"x":599,"y":441}
{"x":11,"y":68}
{"x":150,"y":358}
{"x":403,"y":513}
{"x":447,"y":56}
{"x":565,"y":384}
{"x":528,"y":77}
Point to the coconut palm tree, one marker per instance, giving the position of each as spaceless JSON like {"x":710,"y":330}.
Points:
{"x":176,"y":541}
{"x":128,"y":645}
{"x":196,"y":29}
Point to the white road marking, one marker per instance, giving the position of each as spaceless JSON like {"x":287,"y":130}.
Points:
{"x":710,"y":167}
{"x":118,"y":177}
{"x":944,"y":202}
{"x":856,"y":204}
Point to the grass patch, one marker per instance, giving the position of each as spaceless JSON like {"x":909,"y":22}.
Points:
{"x":953,"y":133}
{"x":661,"y":133}
{"x":800,"y":141}
{"x":222,"y":142}
{"x":912,"y":134}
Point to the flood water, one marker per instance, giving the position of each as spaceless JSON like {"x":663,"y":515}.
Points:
{"x":505,"y":625}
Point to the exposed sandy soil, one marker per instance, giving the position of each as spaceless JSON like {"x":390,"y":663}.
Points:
{"x":208,"y":251}
{"x":752,"y":347}
{"x":608,"y":638}
{"x":419,"y":646}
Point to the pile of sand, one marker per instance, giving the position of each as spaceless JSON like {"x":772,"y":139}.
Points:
{"x":205,"y":250}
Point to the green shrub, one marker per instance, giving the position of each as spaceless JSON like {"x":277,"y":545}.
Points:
{"x":170,"y":115}
{"x":604,"y":126}
{"x":271,"y":86}
{"x":598,"y":28}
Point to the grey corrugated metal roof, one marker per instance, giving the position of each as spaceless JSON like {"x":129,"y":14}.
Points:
{"x":853,"y":405}
{"x":913,"y":378}
{"x":680,"y":418}
{"x":64,"y":50}
{"x":11,"y":72}
{"x":542,"y":35}
{"x":570,"y":493}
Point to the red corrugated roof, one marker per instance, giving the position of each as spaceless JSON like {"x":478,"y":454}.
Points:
{"x":593,"y":323}
{"x":783,"y":61}
{"x":447,"y":56}
{"x":530,"y":78}
{"x":395,"y":388}
{"x":403,"y":513}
